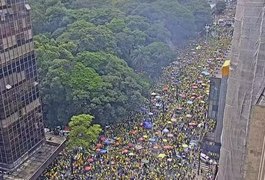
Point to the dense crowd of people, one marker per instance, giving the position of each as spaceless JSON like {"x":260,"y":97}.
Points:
{"x":162,"y":141}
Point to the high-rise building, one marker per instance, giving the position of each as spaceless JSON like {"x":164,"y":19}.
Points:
{"x":21,"y":121}
{"x":243,"y":146}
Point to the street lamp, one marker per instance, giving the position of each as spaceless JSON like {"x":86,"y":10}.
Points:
{"x":72,"y":159}
{"x":207,"y":28}
{"x":199,"y":160}
{"x":163,"y":109}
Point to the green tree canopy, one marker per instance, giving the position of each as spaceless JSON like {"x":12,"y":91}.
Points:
{"x":82,"y":132}
{"x":89,"y":37}
{"x":99,"y":56}
{"x":152,"y":58}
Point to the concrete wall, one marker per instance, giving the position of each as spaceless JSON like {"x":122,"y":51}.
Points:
{"x":255,"y":147}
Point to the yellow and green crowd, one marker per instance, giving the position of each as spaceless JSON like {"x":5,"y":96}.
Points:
{"x":162,"y":141}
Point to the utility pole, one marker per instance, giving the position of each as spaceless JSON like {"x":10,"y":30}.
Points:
{"x":199,"y":164}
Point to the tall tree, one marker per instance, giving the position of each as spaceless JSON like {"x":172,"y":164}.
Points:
{"x":82,"y":132}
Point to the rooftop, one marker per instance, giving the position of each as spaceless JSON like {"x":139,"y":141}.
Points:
{"x":39,"y":160}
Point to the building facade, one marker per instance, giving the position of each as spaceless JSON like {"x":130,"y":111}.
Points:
{"x":241,"y":140}
{"x":21,"y":121}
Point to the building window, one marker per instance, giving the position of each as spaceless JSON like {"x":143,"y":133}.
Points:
{"x":20,"y":39}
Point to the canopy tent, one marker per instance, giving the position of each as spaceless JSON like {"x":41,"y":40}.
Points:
{"x":169,"y":159}
{"x":194,"y":94}
{"x":158,"y":133}
{"x":158,"y":105}
{"x":145,"y":161}
{"x":193,"y":124}
{"x":88,"y":168}
{"x":165,"y":130}
{"x":205,"y":73}
{"x":90,"y":160}
{"x":158,"y":97}
{"x":178,"y":111}
{"x":133,"y":132}
{"x":165,"y":88}
{"x":130,"y":145}
{"x":198,"y":47}
{"x":161,"y":156}
{"x":147,"y":125}
{"x":103,"y":151}
{"x":168,"y":147}
{"x":116,"y":144}
{"x":108,"y":141}
{"x":150,"y":114}
{"x":201,"y":124}
{"x":188,"y":115}
{"x":192,"y":144}
{"x":170,"y":135}
{"x":192,"y":97}
{"x":145,"y":136}
{"x":138,"y":147}
{"x":117,"y":138}
{"x":141,"y":139}
{"x":125,"y":151}
{"x":185,"y":146}
{"x":190,"y":102}
{"x":98,"y":146}
{"x":156,"y":147}
{"x":182,"y":95}
{"x":102,"y":138}
{"x":143,"y":109}
{"x":173,"y":120}
{"x":152,"y":139}
{"x":131,"y":154}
